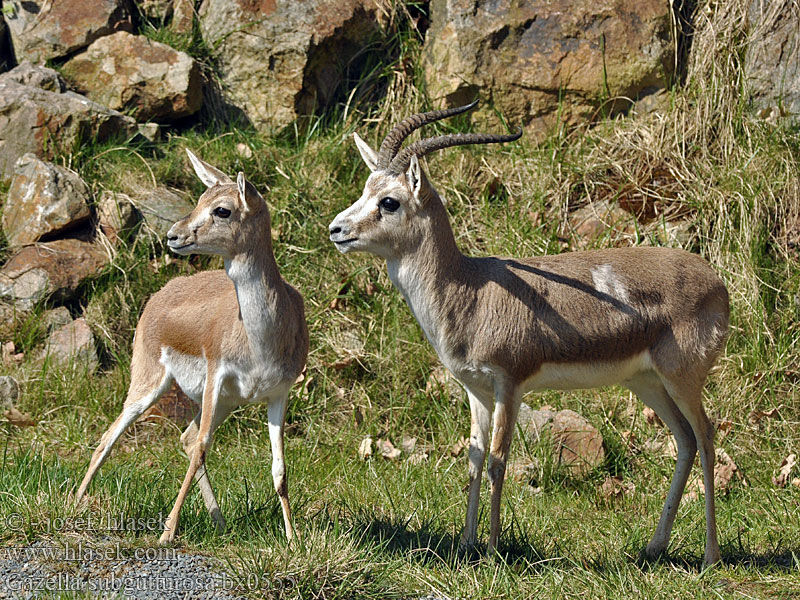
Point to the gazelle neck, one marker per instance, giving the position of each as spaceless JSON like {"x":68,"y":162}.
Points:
{"x":260,"y":291}
{"x":427,"y":273}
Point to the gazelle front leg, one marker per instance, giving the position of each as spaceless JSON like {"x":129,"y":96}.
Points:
{"x":506,"y":407}
{"x":188,"y":439}
{"x":480,"y":406}
{"x":197,"y":456}
{"x":276,"y":413}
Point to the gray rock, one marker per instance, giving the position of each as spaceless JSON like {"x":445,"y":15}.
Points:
{"x":576,"y":444}
{"x":541,"y":61}
{"x":183,"y":13}
{"x":43,"y":199}
{"x":116,"y":215}
{"x":772,"y":60}
{"x":596,"y":219}
{"x":161,"y":208}
{"x":157,"y":11}
{"x":11,"y":317}
{"x":35,"y":76}
{"x":45,"y":29}
{"x":44,"y":123}
{"x":51,"y":269}
{"x":139,"y":76}
{"x":71,"y":344}
{"x":9,"y":391}
{"x":57,"y":317}
{"x":279,"y":60}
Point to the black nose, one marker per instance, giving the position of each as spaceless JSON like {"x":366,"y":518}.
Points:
{"x":335,"y":230}
{"x":171,"y":238}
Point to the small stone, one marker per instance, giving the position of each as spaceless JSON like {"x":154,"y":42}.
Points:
{"x":11,"y":317}
{"x":576,"y":444}
{"x":244,"y":150}
{"x":36,"y":76}
{"x":72,"y":344}
{"x":9,"y":391}
{"x":597,"y":219}
{"x":173,"y":405}
{"x":57,"y":317}
{"x":442,"y":380}
{"x":150,"y":131}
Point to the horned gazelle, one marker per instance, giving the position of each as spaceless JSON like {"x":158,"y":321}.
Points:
{"x":228,"y":338}
{"x":653,"y":320}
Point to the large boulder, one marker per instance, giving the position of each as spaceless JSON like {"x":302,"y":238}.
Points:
{"x":280,"y":60}
{"x":46,"y":122}
{"x":51,"y":269}
{"x":772,"y":60}
{"x":46,"y":29}
{"x":44,"y":199}
{"x":541,"y":61}
{"x":131,"y":73}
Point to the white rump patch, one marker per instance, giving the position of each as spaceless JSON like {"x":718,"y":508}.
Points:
{"x":606,"y":282}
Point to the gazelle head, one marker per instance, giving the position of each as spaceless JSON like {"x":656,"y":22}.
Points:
{"x":390,"y":216}
{"x":227,"y":219}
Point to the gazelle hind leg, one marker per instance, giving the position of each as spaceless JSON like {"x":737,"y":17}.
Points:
{"x":188,"y":439}
{"x":276,"y":413}
{"x":688,"y":396}
{"x":480,"y":406}
{"x":506,"y":408}
{"x":651,"y":391}
{"x":141,"y":396}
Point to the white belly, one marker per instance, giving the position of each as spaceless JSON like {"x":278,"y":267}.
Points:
{"x":237,"y":383}
{"x":572,"y":376}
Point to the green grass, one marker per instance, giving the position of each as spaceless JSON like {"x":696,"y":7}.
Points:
{"x":389,"y":529}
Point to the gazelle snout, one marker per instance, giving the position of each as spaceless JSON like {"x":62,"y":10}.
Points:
{"x":341,"y":233}
{"x":180,"y":238}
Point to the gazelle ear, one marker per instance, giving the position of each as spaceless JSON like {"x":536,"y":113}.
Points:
{"x":209,"y":175}
{"x":241,"y":183}
{"x":414,"y":176}
{"x":368,"y":154}
{"x":249,"y":197}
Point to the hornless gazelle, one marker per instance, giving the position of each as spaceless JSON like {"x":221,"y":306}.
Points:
{"x":228,"y":338}
{"x":653,"y":320}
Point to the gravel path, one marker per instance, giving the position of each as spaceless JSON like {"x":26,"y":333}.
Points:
{"x":109,"y":570}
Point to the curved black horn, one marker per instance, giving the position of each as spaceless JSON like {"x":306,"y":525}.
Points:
{"x":394,"y":139}
{"x":421,"y":148}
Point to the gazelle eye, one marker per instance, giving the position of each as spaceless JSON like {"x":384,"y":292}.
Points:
{"x":389,"y":204}
{"x":222,"y":213}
